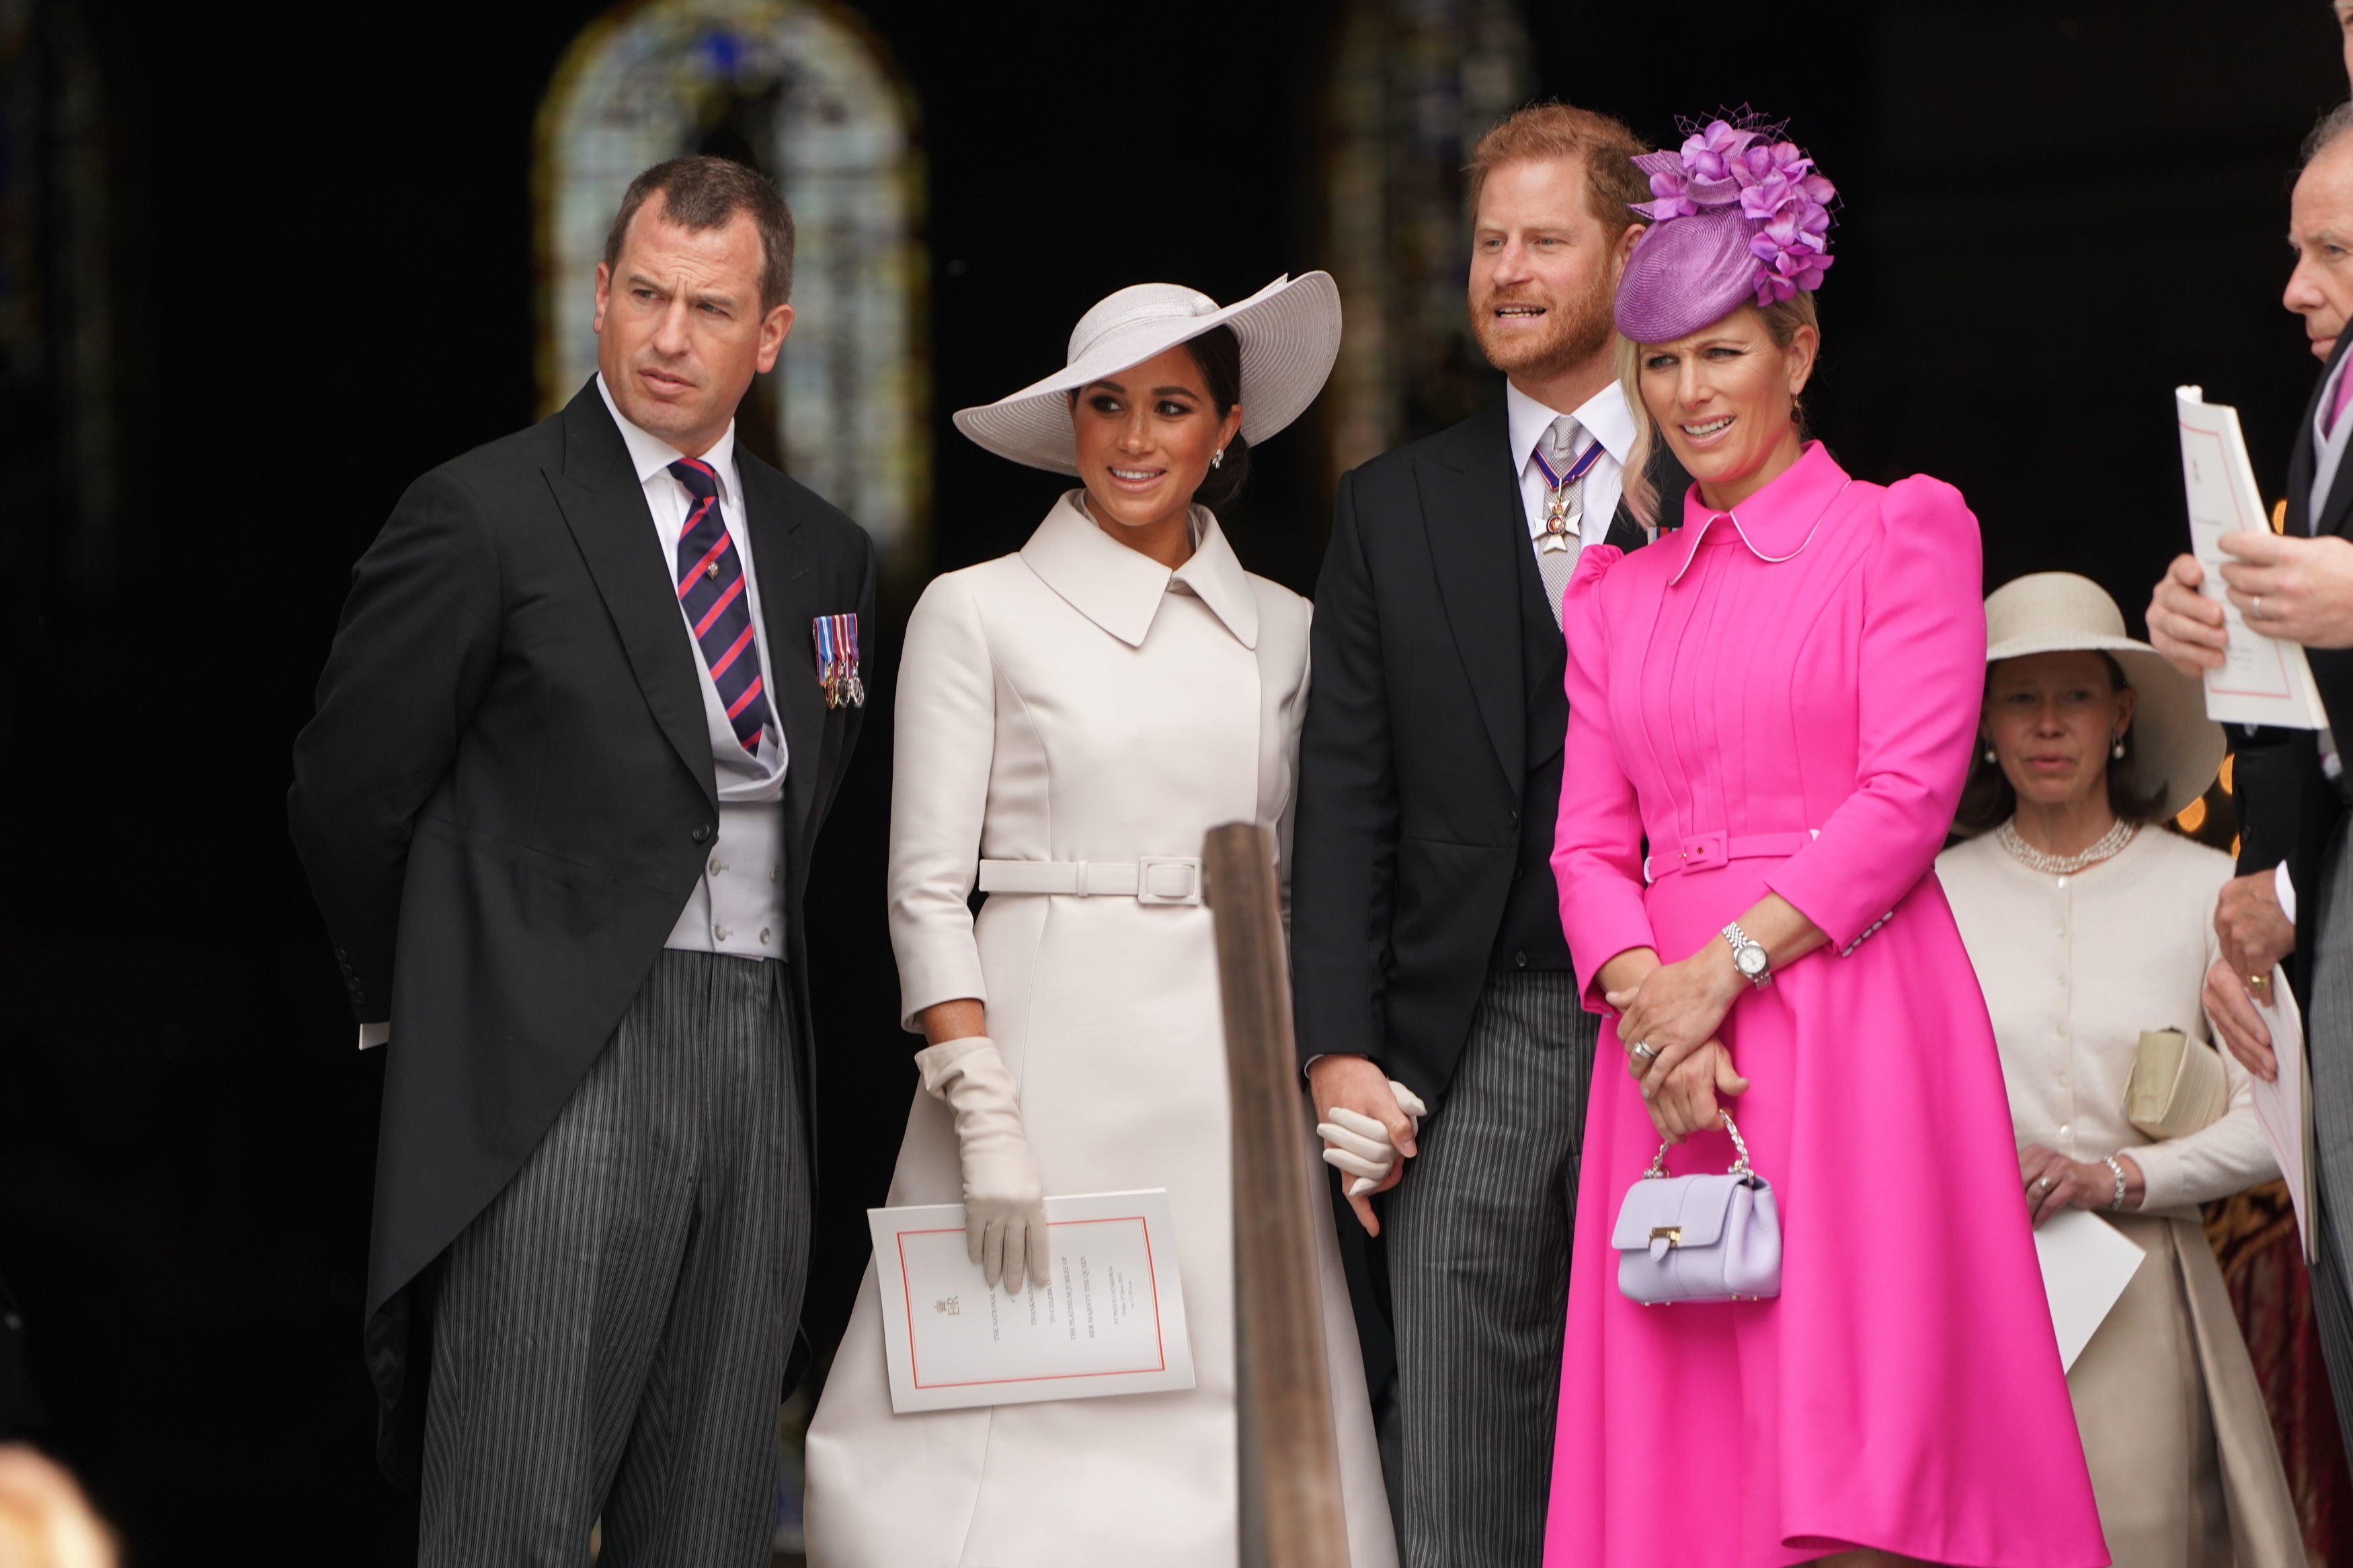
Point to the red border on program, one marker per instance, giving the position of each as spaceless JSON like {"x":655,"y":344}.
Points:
{"x":1159,"y":1327}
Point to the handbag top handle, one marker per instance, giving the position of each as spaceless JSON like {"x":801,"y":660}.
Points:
{"x":1740,"y":1167}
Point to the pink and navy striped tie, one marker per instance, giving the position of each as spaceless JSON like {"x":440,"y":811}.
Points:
{"x":711,"y":588}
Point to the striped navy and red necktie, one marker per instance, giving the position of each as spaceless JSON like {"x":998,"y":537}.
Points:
{"x":711,"y":588}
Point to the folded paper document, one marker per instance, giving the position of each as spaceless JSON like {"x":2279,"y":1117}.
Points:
{"x":2264,"y":681}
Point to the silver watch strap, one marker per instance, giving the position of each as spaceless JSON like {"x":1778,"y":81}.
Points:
{"x":1741,"y":941}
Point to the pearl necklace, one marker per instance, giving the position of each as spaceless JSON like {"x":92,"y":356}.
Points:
{"x":2027,"y":855}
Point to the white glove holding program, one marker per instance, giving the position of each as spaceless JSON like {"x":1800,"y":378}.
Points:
{"x":1004,"y":1201}
{"x":1359,"y":1146}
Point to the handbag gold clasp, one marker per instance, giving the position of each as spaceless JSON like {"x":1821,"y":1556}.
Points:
{"x":1672,"y":1234}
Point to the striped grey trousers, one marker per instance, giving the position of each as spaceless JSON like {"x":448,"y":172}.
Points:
{"x":1478,"y":1255}
{"x":609,"y":1335}
{"x":2329,"y":1046}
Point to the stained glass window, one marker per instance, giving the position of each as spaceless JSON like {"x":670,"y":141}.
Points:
{"x":799,"y":89}
{"x":1415,"y":83}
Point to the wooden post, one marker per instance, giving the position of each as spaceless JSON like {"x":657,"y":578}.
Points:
{"x":1291,"y":1509}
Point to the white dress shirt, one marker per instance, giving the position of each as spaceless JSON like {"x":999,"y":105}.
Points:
{"x":1607,"y":420}
{"x":2074,"y":969}
{"x":738,"y":903}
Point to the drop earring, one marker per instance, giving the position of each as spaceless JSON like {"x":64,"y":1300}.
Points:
{"x":2117,"y":748}
{"x":1989,"y":756}
{"x":1218,"y":458}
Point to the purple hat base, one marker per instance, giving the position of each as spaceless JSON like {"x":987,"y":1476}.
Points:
{"x":1686,"y":274}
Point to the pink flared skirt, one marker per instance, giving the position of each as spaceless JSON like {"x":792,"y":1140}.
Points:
{"x":1903,"y":1392}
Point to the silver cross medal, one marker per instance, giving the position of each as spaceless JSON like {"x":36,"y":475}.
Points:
{"x":1561,"y":514}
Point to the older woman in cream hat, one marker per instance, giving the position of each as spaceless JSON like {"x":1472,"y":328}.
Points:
{"x":1071,"y":721}
{"x":2087,"y":921}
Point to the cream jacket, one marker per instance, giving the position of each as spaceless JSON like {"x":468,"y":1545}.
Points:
{"x":2074,"y":968}
{"x":1081,"y":702}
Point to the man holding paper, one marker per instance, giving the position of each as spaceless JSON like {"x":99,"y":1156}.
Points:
{"x":2292,"y":792}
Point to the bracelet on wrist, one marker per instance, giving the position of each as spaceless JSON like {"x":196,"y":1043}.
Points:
{"x":2115,"y":1167}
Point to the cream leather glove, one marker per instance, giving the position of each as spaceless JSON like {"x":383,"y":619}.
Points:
{"x":1359,"y":1146}
{"x":1004,"y":1201}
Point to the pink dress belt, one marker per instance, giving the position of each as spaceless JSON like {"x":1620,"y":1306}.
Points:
{"x":1710,"y":851}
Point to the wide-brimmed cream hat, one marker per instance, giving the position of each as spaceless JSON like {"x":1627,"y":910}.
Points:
{"x":2173,"y":743}
{"x":1289,"y":330}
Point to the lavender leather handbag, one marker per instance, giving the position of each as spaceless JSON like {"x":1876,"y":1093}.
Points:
{"x":1699,"y":1238}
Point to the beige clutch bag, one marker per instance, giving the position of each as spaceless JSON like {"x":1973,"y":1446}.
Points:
{"x":2177,"y":1084}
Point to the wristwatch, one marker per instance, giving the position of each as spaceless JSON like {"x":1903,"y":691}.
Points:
{"x":1747,"y":956}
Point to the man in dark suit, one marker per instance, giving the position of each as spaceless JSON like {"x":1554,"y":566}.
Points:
{"x":2295,"y":893}
{"x":571,"y":754}
{"x":1430,"y":968}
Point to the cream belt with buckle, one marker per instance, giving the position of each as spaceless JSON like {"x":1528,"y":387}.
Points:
{"x":1150,"y":879}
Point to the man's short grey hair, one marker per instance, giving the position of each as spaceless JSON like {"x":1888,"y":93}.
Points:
{"x":2333,"y":124}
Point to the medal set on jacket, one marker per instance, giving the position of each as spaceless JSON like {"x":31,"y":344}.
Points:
{"x":837,"y":660}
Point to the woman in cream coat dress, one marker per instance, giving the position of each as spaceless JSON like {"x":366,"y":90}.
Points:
{"x":2088,"y":923}
{"x":1085,"y":710}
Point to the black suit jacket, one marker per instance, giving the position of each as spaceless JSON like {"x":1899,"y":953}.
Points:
{"x":2287,"y":807}
{"x":1417,"y":753}
{"x":506,"y":795}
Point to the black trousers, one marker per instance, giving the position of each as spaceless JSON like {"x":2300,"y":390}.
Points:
{"x":610,"y":1334}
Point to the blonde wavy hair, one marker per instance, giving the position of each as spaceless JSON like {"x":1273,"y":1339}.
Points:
{"x":1781,"y":323}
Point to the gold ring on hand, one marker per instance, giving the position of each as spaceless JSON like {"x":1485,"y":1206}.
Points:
{"x":2259,"y":980}
{"x":2043,"y":1182}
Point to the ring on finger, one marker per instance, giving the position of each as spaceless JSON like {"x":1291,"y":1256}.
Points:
{"x":2259,"y":980}
{"x":1641,"y":1050}
{"x":2255,"y":610}
{"x":2042,"y":1182}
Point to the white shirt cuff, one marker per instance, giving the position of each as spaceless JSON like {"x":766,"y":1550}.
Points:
{"x":2284,"y":888}
{"x":374,"y":1034}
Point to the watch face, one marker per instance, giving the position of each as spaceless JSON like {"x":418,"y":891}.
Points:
{"x":1750,"y":960}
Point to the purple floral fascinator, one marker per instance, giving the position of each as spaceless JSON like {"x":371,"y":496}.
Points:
{"x":1736,"y":212}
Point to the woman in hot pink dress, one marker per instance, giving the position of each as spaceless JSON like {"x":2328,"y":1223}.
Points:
{"x":1778,"y":699}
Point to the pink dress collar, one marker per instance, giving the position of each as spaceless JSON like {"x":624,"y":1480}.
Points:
{"x":1777,"y":523}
